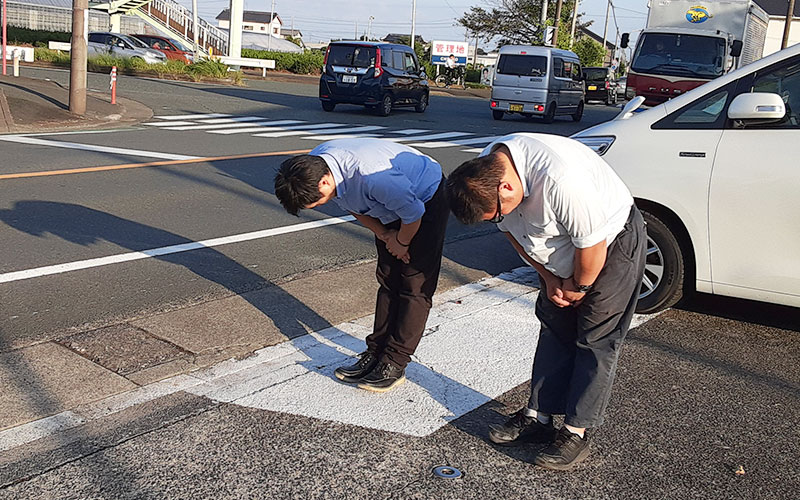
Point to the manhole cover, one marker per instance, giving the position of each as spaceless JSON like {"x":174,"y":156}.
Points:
{"x":446,"y":472}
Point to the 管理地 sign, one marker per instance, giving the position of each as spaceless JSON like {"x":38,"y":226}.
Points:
{"x":441,"y":51}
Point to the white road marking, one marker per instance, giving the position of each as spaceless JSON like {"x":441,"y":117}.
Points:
{"x":191,"y":117}
{"x":91,"y":147}
{"x":257,"y":127}
{"x":448,"y":144}
{"x":230,"y":125}
{"x":338,"y":136}
{"x":280,"y":131}
{"x":168,"y":124}
{"x":410,"y":131}
{"x":233,"y":119}
{"x":441,"y":135}
{"x":284,"y":133}
{"x":156,"y":252}
{"x":463,"y":361}
{"x":472,"y":150}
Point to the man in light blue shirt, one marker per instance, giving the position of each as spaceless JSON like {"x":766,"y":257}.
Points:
{"x":397,"y":193}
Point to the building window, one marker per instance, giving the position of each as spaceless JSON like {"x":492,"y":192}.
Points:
{"x":247,"y":27}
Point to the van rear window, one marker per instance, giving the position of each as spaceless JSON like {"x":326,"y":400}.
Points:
{"x":352,"y":55}
{"x":522,"y":65}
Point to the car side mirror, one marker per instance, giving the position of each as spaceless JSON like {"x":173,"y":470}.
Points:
{"x":761,"y":107}
{"x":736,"y":48}
{"x":623,"y":43}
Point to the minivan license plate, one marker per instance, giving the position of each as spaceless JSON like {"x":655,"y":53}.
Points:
{"x":515,"y":107}
{"x":592,"y":87}
{"x":349,"y":78}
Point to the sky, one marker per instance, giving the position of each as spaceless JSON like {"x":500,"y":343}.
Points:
{"x":322,"y":20}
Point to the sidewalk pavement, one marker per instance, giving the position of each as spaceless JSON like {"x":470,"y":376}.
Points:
{"x":229,"y":351}
{"x":35,"y":105}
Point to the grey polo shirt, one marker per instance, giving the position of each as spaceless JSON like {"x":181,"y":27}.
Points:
{"x":571,"y":199}
{"x":379,"y":178}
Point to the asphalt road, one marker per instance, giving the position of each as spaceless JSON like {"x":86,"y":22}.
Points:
{"x":701,"y":390}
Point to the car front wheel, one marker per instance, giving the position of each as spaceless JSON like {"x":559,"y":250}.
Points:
{"x":385,"y":106}
{"x":422,"y":105}
{"x":662,"y":284}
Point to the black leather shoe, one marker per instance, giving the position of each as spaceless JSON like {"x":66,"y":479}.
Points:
{"x":353,"y":373}
{"x":521,"y":429}
{"x":384,"y":377}
{"x":566,"y":451}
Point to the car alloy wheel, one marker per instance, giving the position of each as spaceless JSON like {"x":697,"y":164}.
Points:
{"x":385,"y":107}
{"x":422,"y":105}
{"x":663,"y":281}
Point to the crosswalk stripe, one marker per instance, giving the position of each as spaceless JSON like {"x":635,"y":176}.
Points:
{"x":367,"y":128}
{"x":450,"y":144}
{"x":297,"y":130}
{"x":169,"y":124}
{"x":257,"y":127}
{"x":410,"y":131}
{"x":234,"y":119}
{"x":442,"y":135}
{"x":229,"y":125}
{"x":191,"y":117}
{"x":338,"y":136}
{"x":472,"y":150}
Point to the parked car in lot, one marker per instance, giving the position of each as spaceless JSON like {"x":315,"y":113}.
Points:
{"x":537,"y":81}
{"x":622,"y":87}
{"x":118,"y":45}
{"x":715,"y":173}
{"x":377,"y":75}
{"x":171,"y":48}
{"x":601,"y":84}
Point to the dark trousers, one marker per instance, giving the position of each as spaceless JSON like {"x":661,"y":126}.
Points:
{"x":576,"y":359}
{"x":406,"y":290}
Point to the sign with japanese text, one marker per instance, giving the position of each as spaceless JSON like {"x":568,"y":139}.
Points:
{"x":441,"y":52}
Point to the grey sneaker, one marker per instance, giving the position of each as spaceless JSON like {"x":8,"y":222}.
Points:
{"x":521,"y":429}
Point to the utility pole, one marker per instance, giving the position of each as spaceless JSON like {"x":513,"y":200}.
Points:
{"x":235,"y":28}
{"x":5,"y":36}
{"x":605,"y":32}
{"x":557,"y":23}
{"x":786,"y":27}
{"x":369,"y":28}
{"x":543,"y":22}
{"x":355,"y":36}
{"x":271,"y":15}
{"x":77,"y":68}
{"x":574,"y":23}
{"x":413,"y":23}
{"x":194,"y":29}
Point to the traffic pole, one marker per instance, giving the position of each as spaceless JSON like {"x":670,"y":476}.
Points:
{"x":113,"y":85}
{"x":5,"y":36}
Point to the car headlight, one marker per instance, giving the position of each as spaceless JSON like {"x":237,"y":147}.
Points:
{"x":598,"y":144}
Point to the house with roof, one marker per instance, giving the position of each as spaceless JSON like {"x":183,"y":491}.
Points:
{"x":255,"y":21}
{"x":776,"y":9}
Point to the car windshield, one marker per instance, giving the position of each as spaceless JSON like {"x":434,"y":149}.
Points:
{"x":179,"y":45}
{"x":522,"y":65}
{"x":595,"y":73}
{"x":679,"y":55}
{"x":136,"y":42}
{"x":352,"y":55}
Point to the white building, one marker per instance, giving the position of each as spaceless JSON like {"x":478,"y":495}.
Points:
{"x":255,"y":21}
{"x":777,"y":20}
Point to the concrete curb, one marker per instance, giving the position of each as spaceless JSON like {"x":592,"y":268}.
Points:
{"x":6,"y":120}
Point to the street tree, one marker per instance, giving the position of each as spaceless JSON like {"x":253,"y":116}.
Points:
{"x":590,"y":52}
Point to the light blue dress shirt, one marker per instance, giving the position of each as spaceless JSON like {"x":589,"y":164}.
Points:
{"x":381,"y":179}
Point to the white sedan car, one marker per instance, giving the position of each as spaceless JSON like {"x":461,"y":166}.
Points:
{"x":717,"y":176}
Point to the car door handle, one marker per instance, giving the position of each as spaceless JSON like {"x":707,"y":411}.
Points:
{"x":692,"y":154}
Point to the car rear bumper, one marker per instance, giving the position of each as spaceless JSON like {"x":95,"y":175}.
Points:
{"x":361,"y":93}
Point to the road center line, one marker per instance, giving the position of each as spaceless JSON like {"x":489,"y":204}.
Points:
{"x":194,"y":159}
{"x":157,"y":252}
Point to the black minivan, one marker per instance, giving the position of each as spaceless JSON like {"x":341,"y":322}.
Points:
{"x":373,"y":74}
{"x":601,"y":84}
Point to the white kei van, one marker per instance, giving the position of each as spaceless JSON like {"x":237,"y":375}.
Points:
{"x":537,"y":81}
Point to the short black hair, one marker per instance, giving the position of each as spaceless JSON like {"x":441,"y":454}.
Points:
{"x":297,"y":182}
{"x":472,"y":188}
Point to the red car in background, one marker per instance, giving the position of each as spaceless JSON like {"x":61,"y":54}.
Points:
{"x":171,"y":48}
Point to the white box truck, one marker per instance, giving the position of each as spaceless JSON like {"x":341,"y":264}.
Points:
{"x":689,"y":42}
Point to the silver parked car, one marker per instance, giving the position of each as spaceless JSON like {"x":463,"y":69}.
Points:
{"x":118,"y":45}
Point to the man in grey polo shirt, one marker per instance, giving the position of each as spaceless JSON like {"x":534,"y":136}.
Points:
{"x":397,"y":193}
{"x":569,"y":216}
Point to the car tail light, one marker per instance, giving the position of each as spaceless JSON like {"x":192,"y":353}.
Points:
{"x":539,"y":108}
{"x":378,"y":68}
{"x":493,"y":104}
{"x":327,"y":51}
{"x":608,"y":85}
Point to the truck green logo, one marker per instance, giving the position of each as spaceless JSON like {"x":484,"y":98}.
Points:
{"x":698,"y":14}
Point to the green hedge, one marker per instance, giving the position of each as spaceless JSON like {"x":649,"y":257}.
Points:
{"x":203,"y":69}
{"x":309,"y":62}
{"x":35,"y":37}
